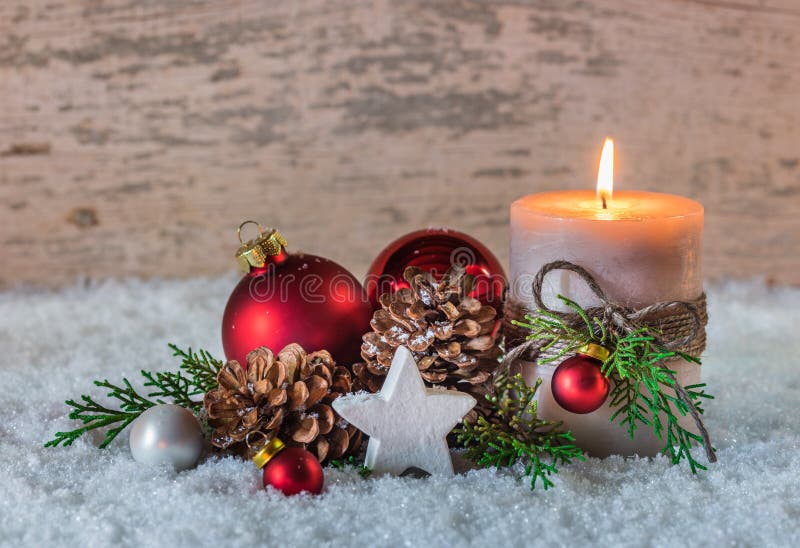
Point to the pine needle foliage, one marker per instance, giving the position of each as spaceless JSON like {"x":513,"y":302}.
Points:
{"x":643,"y":388}
{"x":196,"y":375}
{"x":515,"y":434}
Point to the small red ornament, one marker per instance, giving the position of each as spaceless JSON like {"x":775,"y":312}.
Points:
{"x":290,"y":470}
{"x":286,"y":298}
{"x":436,"y":250}
{"x":578,"y":384}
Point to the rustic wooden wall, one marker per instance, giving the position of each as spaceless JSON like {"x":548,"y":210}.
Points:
{"x":134,"y":135}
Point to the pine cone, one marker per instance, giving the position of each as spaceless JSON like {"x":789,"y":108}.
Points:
{"x":289,"y":397}
{"x":449,"y":332}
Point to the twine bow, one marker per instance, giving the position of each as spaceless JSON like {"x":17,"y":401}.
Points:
{"x":674,"y":325}
{"x":679,"y":332}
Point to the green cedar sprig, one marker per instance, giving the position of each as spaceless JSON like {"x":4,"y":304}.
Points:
{"x":350,"y":462}
{"x":644,"y":391}
{"x":643,"y":394}
{"x":201,"y":368}
{"x":515,"y":434}
{"x":196,"y":375}
{"x":94,"y":415}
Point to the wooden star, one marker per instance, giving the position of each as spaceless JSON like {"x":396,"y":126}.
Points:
{"x":406,"y":422}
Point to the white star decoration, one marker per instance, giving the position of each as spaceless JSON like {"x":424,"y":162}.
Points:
{"x":407,"y":424}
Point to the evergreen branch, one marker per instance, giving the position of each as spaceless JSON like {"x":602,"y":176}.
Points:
{"x":201,"y":368}
{"x":515,"y":434}
{"x":196,"y":375}
{"x":340,"y":464}
{"x":94,"y":415}
{"x":636,"y":363}
{"x":642,"y":389}
{"x":174,"y":386}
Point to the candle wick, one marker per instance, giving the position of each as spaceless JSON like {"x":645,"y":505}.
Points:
{"x":603,"y":197}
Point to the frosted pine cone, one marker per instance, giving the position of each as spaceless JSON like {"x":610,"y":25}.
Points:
{"x":450,"y":333}
{"x":288,"y":397}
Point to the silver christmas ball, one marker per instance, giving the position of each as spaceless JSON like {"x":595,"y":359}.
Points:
{"x":167,"y":434}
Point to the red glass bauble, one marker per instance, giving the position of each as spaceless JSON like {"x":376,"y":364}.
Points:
{"x":578,"y":384}
{"x":296,"y":298}
{"x":294,"y":470}
{"x":436,"y":250}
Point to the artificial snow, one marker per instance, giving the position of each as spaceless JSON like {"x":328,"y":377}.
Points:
{"x":55,"y":343}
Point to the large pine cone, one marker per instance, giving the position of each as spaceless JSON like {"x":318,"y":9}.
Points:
{"x":289,"y":397}
{"x":450,"y":333}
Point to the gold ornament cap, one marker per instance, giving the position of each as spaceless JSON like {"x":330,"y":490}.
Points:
{"x":595,"y":351}
{"x":265,"y":454}
{"x":254,"y":253}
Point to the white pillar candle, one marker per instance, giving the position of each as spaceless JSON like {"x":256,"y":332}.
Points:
{"x":642,"y":248}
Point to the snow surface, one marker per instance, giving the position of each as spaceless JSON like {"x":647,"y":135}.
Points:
{"x":55,"y":343}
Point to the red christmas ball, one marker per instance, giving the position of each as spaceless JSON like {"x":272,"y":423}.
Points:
{"x":294,"y":470}
{"x":290,"y":298}
{"x":578,"y":384}
{"x":436,"y":250}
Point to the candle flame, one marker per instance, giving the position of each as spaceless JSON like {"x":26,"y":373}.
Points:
{"x":605,"y":174}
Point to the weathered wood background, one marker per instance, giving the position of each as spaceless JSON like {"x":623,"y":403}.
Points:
{"x":135,"y":135}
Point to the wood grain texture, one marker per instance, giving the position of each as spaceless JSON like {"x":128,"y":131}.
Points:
{"x":134,"y":136}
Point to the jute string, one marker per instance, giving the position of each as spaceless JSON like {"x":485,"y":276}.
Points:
{"x":675,"y":325}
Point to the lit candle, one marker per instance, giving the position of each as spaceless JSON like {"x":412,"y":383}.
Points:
{"x":641,"y":247}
